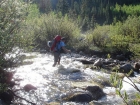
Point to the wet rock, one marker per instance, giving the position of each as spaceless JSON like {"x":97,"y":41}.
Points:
{"x":110,"y":61}
{"x":126,"y":68}
{"x":88,"y":94}
{"x":80,"y":97}
{"x":92,"y":59}
{"x":98,"y":63}
{"x":137,"y":67}
{"x":29,"y":87}
{"x":96,"y":92}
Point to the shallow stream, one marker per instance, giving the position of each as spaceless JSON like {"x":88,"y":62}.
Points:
{"x":54,"y":82}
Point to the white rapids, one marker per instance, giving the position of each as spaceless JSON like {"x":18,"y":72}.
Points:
{"x":53,"y":82}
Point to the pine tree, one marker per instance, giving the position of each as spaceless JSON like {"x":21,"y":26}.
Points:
{"x":63,"y":6}
{"x":45,"y":6}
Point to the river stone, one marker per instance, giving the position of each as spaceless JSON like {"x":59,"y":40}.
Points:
{"x":80,"y":97}
{"x":98,"y":63}
{"x":137,"y":67}
{"x":29,"y":87}
{"x":96,"y":92}
{"x":89,"y":94}
{"x":126,"y":68}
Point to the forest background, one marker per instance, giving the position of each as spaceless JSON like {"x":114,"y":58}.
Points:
{"x":108,"y":25}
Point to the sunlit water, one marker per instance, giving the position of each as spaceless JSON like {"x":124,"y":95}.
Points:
{"x":54,"y":82}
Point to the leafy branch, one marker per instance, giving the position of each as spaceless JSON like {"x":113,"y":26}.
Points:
{"x":117,"y":83}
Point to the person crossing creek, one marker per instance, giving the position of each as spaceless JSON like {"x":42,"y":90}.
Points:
{"x":57,"y":47}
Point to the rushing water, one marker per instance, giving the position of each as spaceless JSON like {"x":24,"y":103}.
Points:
{"x":54,"y":82}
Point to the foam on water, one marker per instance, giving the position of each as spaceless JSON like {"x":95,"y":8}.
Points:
{"x":129,"y":86}
{"x":52,"y":82}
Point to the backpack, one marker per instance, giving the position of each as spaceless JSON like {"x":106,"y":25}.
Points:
{"x":52,"y":44}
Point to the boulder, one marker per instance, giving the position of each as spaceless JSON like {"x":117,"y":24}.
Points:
{"x":81,"y":97}
{"x":96,"y":92}
{"x":29,"y":87}
{"x":137,"y":67}
{"x":98,"y":63}
{"x":126,"y":68}
{"x":88,"y":94}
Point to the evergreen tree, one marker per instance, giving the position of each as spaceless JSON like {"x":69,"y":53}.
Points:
{"x":103,"y":11}
{"x":45,"y":6}
{"x":76,"y":8}
{"x":48,"y":6}
{"x":63,"y":6}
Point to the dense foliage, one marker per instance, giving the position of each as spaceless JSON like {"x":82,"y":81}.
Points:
{"x":12,"y":13}
{"x":91,"y":11}
{"x":41,"y":29}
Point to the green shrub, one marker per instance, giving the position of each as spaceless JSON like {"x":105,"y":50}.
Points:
{"x":28,"y":26}
{"x":119,"y":43}
{"x":110,"y":39}
{"x":47,"y":26}
{"x":131,"y":28}
{"x":12,"y":12}
{"x":126,"y":36}
{"x":99,"y":37}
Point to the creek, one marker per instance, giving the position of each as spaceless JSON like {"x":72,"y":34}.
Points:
{"x":54,"y":82}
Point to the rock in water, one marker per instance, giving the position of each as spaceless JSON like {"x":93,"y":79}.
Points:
{"x":29,"y":87}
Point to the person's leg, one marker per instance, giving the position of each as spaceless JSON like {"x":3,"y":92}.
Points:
{"x":54,"y":64}
{"x":59,"y":60}
{"x":56,"y":58}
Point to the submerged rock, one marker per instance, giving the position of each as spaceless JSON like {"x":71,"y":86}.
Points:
{"x":29,"y":87}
